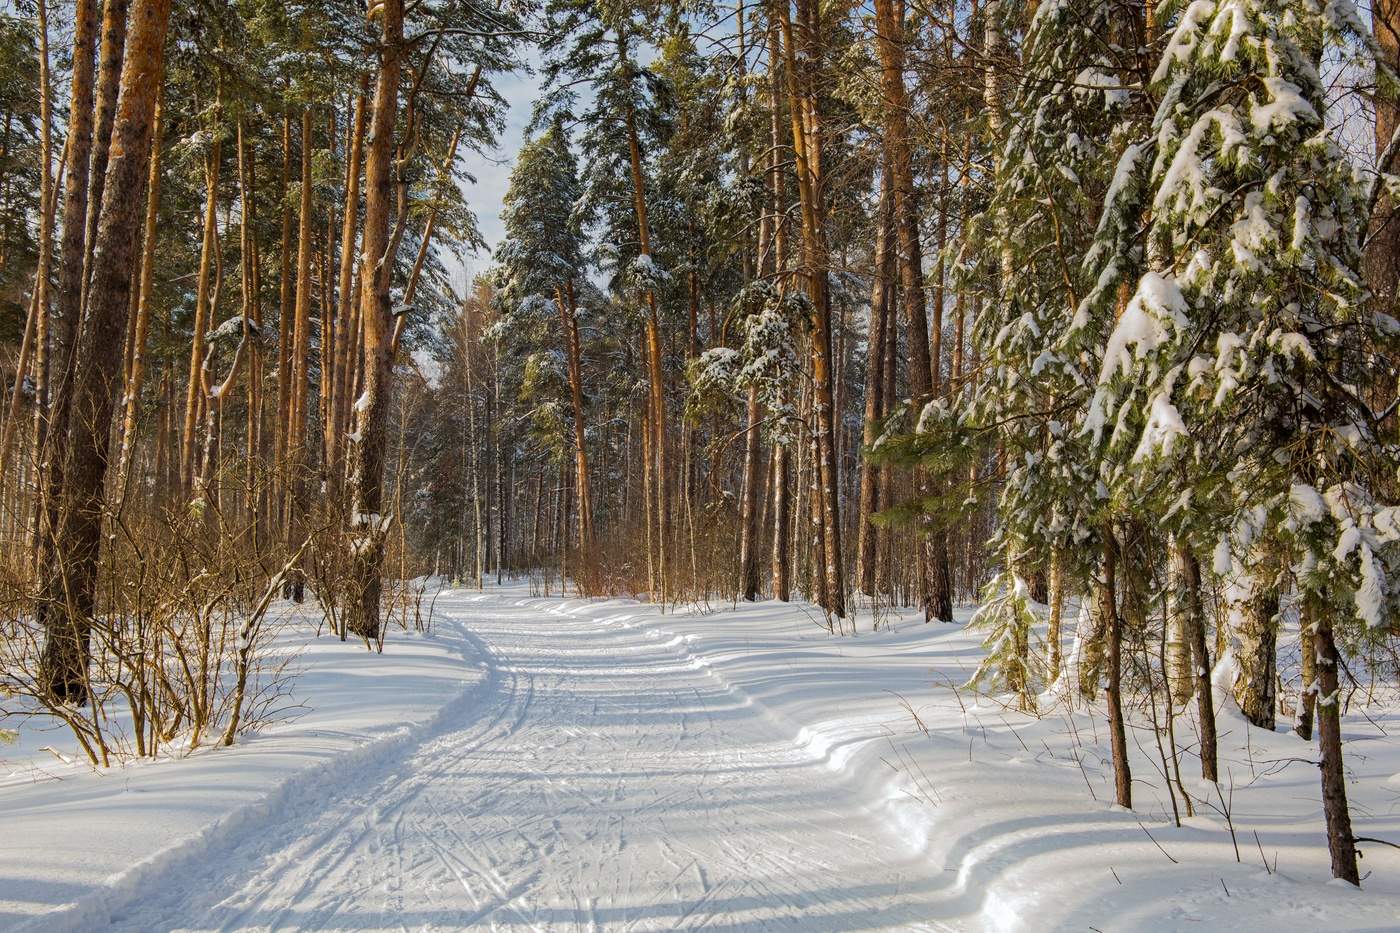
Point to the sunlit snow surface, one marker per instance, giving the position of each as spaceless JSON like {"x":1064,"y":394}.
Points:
{"x":597,"y":765}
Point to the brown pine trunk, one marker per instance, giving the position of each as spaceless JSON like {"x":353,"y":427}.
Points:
{"x":367,"y":447}
{"x":1382,"y":264}
{"x":1340,"y":842}
{"x":881,"y":289}
{"x":58,"y":331}
{"x":748,"y":511}
{"x":299,"y":388}
{"x":137,"y":370}
{"x":109,"y":68}
{"x":71,"y":575}
{"x":284,"y":330}
{"x":655,"y":371}
{"x":252,"y":321}
{"x":807,"y":146}
{"x":1113,"y":624}
{"x":782,"y":453}
{"x":202,"y":313}
{"x":1200,"y":659}
{"x":934,"y":576}
{"x":568,"y":311}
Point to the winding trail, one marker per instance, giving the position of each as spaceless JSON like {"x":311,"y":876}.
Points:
{"x":604,"y":780}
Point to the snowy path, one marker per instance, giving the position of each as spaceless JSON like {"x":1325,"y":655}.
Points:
{"x":603,"y":781}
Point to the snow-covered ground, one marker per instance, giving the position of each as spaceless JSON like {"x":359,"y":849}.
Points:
{"x":551,"y":763}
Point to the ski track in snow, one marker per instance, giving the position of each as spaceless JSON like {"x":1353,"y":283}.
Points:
{"x":603,"y":780}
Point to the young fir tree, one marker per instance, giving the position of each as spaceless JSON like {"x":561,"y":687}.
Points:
{"x":1065,"y":123}
{"x":1227,"y":403}
{"x":541,"y":259}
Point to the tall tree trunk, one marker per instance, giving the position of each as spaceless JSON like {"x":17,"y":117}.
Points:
{"x":655,"y":370}
{"x":346,"y":335}
{"x":284,"y":333}
{"x":881,"y":296}
{"x":252,"y":331}
{"x":71,"y":574}
{"x":1108,"y":608}
{"x":202,"y":317}
{"x":1382,"y":263}
{"x":1200,"y":658}
{"x":748,"y":509}
{"x":807,"y":147}
{"x":372,"y":409}
{"x":782,"y":451}
{"x":568,"y":312}
{"x":137,"y":370}
{"x":58,"y":332}
{"x":109,"y":69}
{"x":299,"y":362}
{"x":1340,"y":842}
{"x":936,"y":582}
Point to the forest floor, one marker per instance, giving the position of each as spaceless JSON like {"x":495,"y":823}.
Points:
{"x":553,"y":763}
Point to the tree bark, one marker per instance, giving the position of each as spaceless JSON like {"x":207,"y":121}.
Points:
{"x":284,"y":331}
{"x":655,"y":371}
{"x":1108,"y":607}
{"x":137,"y":370}
{"x":1256,"y":637}
{"x":1382,"y":261}
{"x":882,"y":283}
{"x":1340,"y":843}
{"x":39,"y":296}
{"x":58,"y":331}
{"x":1200,"y":659}
{"x":345,"y":336}
{"x":807,"y":147}
{"x":1178,"y":643}
{"x":71,"y":574}
{"x":299,"y":363}
{"x":1307,"y":695}
{"x":202,"y":313}
{"x":109,"y":69}
{"x":568,"y":313}
{"x":367,"y":444}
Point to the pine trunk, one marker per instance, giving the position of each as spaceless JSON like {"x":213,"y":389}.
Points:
{"x":1200,"y":660}
{"x":1108,"y":608}
{"x":368,"y":443}
{"x":880,"y":299}
{"x":1340,"y":842}
{"x":71,"y":574}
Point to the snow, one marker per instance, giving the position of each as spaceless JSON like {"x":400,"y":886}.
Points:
{"x":78,"y":846}
{"x":1142,"y":328}
{"x":1286,"y":105}
{"x":550,"y":763}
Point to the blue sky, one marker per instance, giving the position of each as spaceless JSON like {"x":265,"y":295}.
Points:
{"x":493,"y":171}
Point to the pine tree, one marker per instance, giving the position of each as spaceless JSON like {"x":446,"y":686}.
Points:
{"x":541,"y":261}
{"x":1226,"y":403}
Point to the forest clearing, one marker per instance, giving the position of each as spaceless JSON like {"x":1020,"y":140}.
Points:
{"x":904,"y":464}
